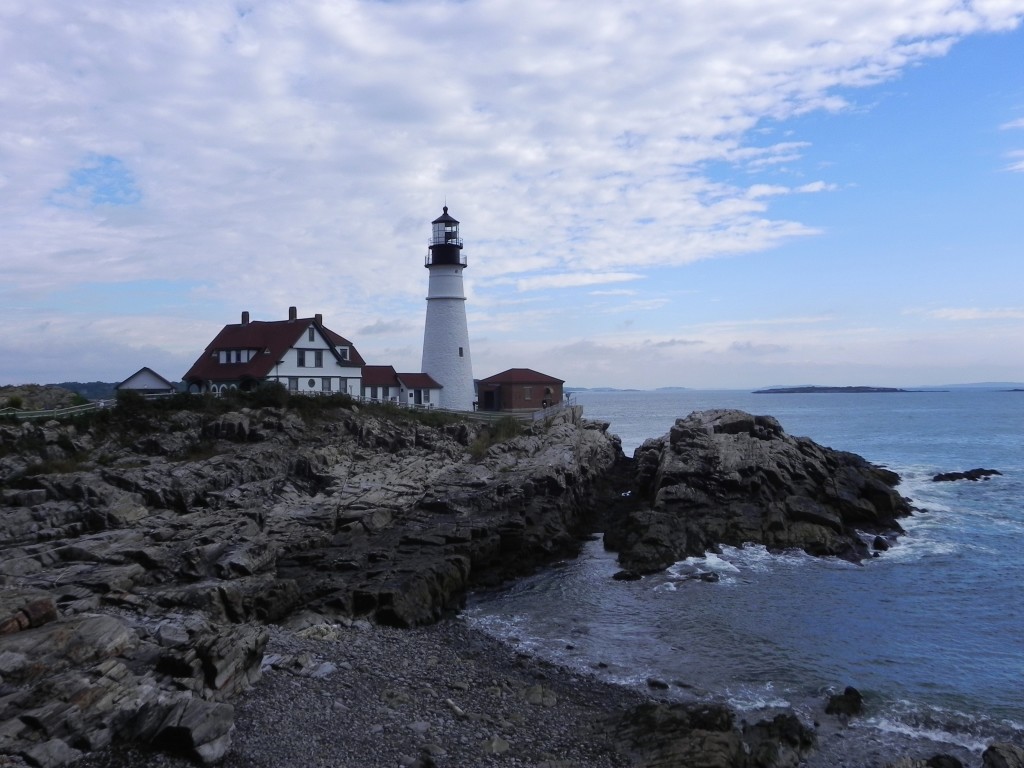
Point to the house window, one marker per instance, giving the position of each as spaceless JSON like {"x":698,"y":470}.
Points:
{"x":527,"y":393}
{"x":293,"y":384}
{"x":343,"y":353}
{"x":426,"y":395}
{"x":318,"y":358}
{"x":311,"y":383}
{"x":238,"y":355}
{"x":326,"y":385}
{"x":300,"y":358}
{"x":312,"y":334}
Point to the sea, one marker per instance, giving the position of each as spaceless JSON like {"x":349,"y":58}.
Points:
{"x":931,"y":632}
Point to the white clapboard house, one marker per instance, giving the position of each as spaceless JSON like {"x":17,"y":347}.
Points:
{"x":301,"y":353}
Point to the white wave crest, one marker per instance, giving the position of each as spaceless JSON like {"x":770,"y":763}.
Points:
{"x":887,"y":725}
{"x":750,"y":699}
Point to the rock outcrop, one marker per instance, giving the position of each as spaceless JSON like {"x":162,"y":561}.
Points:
{"x":141,"y":555}
{"x":727,"y":477}
{"x":970,"y":474}
{"x":663,"y":735}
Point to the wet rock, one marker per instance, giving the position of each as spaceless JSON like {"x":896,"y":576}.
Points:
{"x":626,"y":576}
{"x":668,"y":735}
{"x":970,"y":474}
{"x":846,"y":704}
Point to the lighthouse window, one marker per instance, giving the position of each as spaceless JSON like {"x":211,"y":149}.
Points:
{"x":460,"y":352}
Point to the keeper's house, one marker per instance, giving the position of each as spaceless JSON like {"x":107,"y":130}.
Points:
{"x":301,"y":353}
{"x":382,"y":384}
{"x":518,"y":390}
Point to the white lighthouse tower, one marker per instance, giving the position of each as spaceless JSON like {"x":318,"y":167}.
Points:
{"x":446,"y":334}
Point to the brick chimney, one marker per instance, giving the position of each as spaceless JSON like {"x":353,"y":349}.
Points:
{"x":319,"y":318}
{"x":245,"y":318}
{"x":293,"y":314}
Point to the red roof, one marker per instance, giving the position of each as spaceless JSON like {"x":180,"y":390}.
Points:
{"x":418,"y":381}
{"x":521,"y":376}
{"x":272,"y":339}
{"x":379,"y":376}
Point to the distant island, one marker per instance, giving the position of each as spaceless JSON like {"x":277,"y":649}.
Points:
{"x":826,"y":390}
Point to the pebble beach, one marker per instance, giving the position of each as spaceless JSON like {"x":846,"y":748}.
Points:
{"x":368,"y":696}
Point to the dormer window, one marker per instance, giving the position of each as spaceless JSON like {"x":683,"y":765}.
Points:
{"x":343,"y":353}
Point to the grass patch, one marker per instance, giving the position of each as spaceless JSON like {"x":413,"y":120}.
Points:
{"x":425,"y":416}
{"x":505,"y":428}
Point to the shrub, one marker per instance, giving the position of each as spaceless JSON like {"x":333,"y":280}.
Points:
{"x":131,"y":403}
{"x":269,"y":394}
{"x":316,"y":407}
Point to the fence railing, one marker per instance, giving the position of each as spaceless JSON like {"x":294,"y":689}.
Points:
{"x":50,"y":413}
{"x":71,"y":410}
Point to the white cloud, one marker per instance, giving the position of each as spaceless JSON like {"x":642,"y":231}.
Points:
{"x":1018,"y":123}
{"x":1017,"y":161}
{"x":295,"y":152}
{"x":976,"y":313}
{"x":574,"y":280}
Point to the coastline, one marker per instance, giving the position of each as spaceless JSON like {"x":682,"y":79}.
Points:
{"x":352,"y":693}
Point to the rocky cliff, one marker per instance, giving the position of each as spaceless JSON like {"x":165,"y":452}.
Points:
{"x":143,"y":554}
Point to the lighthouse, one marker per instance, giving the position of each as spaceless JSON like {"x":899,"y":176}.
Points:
{"x":446,"y":335}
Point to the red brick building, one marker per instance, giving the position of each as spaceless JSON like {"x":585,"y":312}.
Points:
{"x":518,"y":390}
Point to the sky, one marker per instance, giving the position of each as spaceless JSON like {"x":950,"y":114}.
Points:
{"x":727,"y":194}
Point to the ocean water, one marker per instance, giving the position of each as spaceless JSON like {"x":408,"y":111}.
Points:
{"x":931,"y":632}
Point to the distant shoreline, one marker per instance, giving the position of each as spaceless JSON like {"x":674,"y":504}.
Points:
{"x":828,"y":390}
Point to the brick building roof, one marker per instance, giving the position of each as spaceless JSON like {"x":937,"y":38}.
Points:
{"x":521,"y":376}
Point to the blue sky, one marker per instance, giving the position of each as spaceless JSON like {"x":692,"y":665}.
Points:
{"x":729,"y":194}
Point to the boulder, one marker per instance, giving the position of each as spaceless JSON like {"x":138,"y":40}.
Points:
{"x":727,"y":477}
{"x":1003,"y":755}
{"x":197,"y":729}
{"x":846,"y":704}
